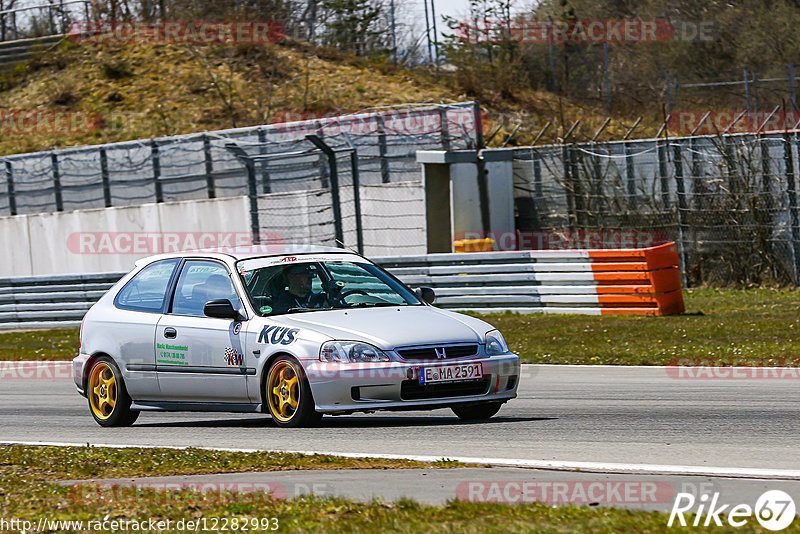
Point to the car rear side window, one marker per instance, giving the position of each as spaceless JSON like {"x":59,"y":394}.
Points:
{"x":146,"y":291}
{"x":200,"y":282}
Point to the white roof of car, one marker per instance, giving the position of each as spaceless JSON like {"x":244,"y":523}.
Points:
{"x":250,"y":251}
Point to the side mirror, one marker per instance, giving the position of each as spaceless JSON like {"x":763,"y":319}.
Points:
{"x":221,"y":309}
{"x":425,"y":294}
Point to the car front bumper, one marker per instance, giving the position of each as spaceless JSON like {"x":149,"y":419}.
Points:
{"x":349,"y":387}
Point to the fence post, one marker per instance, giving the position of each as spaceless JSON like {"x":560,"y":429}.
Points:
{"x":334,"y":174}
{"x":765,"y":177}
{"x":537,"y":173}
{"x":580,"y":207}
{"x":662,"y":173}
{"x":56,"y":182}
{"x":357,"y":200}
{"x":566,"y":150}
{"x":669,"y":94}
{"x":12,"y":197}
{"x":266,"y":185}
{"x":324,"y":179}
{"x":445,"y":127}
{"x":696,"y":182}
{"x":104,"y":177}
{"x":630,"y":177}
{"x":382,"y":151}
{"x":478,"y":120}
{"x":681,"y":190}
{"x":156,"y":170}
{"x":605,"y":69}
{"x":747,"y":93}
{"x":210,"y":186}
{"x":792,"y":194}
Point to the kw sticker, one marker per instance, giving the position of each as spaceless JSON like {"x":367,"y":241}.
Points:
{"x":233,"y":358}
{"x":277,"y":335}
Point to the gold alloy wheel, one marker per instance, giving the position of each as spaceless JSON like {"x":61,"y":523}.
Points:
{"x":102,"y":391}
{"x":283,"y":391}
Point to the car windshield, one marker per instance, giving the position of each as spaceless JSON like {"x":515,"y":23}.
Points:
{"x":300,"y":286}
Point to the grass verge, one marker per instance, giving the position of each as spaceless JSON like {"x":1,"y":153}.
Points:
{"x":720,"y":327}
{"x":27,"y":493}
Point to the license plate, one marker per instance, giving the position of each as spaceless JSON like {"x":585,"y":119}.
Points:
{"x":450,"y":373}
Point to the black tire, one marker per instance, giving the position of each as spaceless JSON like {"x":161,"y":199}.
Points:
{"x":109,"y":402}
{"x":286,"y":382}
{"x":477,"y":412}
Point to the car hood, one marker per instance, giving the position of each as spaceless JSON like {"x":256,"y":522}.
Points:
{"x":388,"y":328}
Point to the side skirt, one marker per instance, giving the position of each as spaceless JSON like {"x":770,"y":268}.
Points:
{"x":195,"y":407}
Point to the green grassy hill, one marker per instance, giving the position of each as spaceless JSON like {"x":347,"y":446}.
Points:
{"x":150,"y":90}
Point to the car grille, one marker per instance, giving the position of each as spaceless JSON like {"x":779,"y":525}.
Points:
{"x":429,"y":353}
{"x":413,"y":390}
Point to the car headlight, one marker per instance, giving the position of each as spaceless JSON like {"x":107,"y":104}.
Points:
{"x":351,"y":351}
{"x":495,"y":343}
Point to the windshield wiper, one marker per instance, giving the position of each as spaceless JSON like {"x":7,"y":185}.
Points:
{"x":301,"y":310}
{"x":374,"y":305}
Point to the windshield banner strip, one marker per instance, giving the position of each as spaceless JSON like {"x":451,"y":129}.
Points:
{"x":257,"y":263}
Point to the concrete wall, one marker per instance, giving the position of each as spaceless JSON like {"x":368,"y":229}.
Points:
{"x":112,"y":239}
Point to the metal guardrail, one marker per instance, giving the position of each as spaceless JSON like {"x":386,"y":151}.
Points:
{"x":525,"y":282}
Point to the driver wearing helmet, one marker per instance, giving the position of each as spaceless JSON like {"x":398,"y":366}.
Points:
{"x":297,"y":292}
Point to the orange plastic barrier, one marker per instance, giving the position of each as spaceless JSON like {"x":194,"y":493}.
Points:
{"x":473,"y":245}
{"x":638,"y":281}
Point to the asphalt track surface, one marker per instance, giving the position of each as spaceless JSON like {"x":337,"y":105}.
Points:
{"x":625,"y":416}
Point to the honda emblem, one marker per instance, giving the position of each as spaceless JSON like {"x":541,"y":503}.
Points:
{"x":440,"y":352}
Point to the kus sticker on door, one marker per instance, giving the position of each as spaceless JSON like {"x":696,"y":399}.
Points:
{"x":278,"y":335}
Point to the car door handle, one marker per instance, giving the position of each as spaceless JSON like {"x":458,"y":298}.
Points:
{"x":170,"y":333}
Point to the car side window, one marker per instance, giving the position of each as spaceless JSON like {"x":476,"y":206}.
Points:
{"x":200,"y":282}
{"x":146,"y":291}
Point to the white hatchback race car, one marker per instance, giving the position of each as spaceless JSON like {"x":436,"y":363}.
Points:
{"x":307,"y":332}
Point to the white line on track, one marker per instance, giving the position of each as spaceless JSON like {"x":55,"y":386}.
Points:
{"x":589,"y":467}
